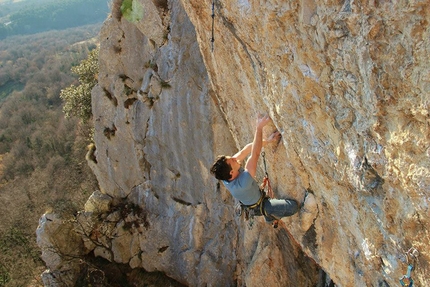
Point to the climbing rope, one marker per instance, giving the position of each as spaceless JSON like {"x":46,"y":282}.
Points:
{"x":406,"y":280}
{"x":266,"y":180}
{"x":213,"y":20}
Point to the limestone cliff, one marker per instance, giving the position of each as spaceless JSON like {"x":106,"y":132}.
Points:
{"x":347,"y":83}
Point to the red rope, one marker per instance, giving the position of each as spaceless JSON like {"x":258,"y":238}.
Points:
{"x":270,"y":192}
{"x":266,"y":180}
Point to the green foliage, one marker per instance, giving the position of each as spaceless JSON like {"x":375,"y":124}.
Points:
{"x":132,"y":10}
{"x":77,"y":99}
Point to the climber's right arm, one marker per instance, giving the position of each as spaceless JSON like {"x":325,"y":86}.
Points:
{"x":246,"y":150}
{"x":257,"y":144}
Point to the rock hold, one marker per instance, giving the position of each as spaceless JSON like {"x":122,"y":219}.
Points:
{"x":308,"y":212}
{"x":98,"y":203}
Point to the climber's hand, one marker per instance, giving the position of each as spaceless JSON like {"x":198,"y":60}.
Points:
{"x":274,"y":137}
{"x":262,"y":120}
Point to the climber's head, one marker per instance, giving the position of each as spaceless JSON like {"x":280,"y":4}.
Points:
{"x":221,"y":169}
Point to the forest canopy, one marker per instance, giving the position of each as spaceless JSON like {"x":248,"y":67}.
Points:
{"x":42,"y":154}
{"x":30,"y":17}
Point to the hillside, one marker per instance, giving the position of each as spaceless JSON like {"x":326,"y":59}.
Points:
{"x":345,"y":83}
{"x":42,"y":154}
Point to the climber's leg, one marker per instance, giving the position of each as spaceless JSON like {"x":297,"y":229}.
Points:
{"x":278,"y":208}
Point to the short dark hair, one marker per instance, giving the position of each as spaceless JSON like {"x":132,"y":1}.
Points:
{"x":221,"y":169}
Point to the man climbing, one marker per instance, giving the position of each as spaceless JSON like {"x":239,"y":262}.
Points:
{"x":241,"y":183}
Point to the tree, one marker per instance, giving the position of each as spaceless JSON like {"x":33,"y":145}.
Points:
{"x":77,"y":99}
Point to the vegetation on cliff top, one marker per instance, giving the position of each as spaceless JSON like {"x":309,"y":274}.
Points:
{"x":77,"y":98}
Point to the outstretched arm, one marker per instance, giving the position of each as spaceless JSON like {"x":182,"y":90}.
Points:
{"x":246,"y":150}
{"x":257,"y":144}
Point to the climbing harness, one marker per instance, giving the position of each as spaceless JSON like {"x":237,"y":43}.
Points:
{"x":213,"y":20}
{"x":257,"y":208}
{"x":406,"y":280}
{"x":250,"y":211}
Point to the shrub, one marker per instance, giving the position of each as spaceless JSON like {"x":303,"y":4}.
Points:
{"x":132,"y":10}
{"x":77,"y":99}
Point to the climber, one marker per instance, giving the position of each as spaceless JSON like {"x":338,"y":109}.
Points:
{"x":241,"y":183}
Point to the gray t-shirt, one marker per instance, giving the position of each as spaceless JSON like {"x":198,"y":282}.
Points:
{"x":244,"y":188}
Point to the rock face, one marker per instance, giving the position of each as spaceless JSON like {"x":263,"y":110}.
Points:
{"x":346,"y":83}
{"x":61,"y":249}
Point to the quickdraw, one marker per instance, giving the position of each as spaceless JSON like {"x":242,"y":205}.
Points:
{"x":247,"y":212}
{"x":213,"y":20}
{"x":406,"y":280}
{"x":266,"y":180}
